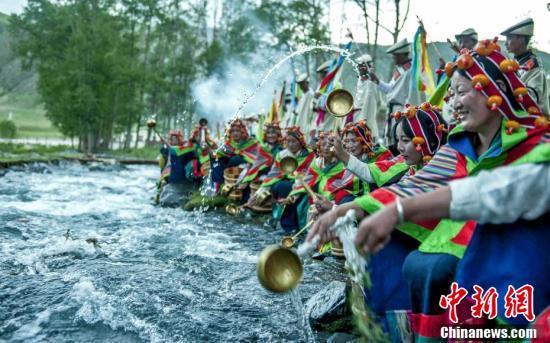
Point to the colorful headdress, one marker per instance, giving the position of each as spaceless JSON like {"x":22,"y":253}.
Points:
{"x":275,"y":126}
{"x":363,"y":134}
{"x":484,"y":66}
{"x":295,"y":132}
{"x":237,"y":122}
{"x":428,"y":128}
{"x":178,"y":135}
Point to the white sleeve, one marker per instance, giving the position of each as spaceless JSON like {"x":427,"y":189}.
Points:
{"x":384,"y":87}
{"x":502,"y":195}
{"x":360,"y":169}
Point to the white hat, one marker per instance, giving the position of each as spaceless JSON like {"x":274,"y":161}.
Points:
{"x":366,"y":58}
{"x":324,"y":66}
{"x":467,"y":33}
{"x":302,"y":77}
{"x":401,"y":47}
{"x":523,"y":28}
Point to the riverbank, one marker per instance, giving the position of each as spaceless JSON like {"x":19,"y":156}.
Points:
{"x":12,"y":154}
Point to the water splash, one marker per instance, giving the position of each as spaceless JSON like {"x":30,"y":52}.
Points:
{"x":346,"y":54}
{"x":300,"y":310}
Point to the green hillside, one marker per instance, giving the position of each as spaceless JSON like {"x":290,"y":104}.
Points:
{"x":18,"y":97}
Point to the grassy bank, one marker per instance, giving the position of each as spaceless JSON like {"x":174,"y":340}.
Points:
{"x":15,"y":153}
{"x":25,"y":153}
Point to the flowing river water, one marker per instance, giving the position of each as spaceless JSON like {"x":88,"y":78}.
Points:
{"x":157,"y":274}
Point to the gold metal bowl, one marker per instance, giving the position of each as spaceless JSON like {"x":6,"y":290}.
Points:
{"x":288,"y":165}
{"x":232,"y":209}
{"x":226,"y":189}
{"x":262,"y":196}
{"x":339,"y":103}
{"x":287,"y":242}
{"x":279,"y":269}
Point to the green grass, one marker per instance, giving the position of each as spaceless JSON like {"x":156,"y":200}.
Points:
{"x":28,"y":116}
{"x":146,"y":153}
{"x":11,"y":152}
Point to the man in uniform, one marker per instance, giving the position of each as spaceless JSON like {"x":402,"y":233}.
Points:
{"x":531,"y":70}
{"x":398,"y":91}
{"x":369,"y":99}
{"x":303,"y":115}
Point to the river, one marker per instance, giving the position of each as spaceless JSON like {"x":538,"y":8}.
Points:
{"x":157,"y":275}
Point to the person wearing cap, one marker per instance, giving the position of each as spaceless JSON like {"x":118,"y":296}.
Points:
{"x":304,"y":109}
{"x":323,"y":121}
{"x":531,"y":70}
{"x":369,"y":99}
{"x":466,"y":39}
{"x":398,"y":91}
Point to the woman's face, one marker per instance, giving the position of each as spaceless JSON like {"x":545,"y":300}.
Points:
{"x":406,"y":147}
{"x":293,"y":144}
{"x":271,"y":136}
{"x":471,"y":105}
{"x":174,"y":140}
{"x":352,"y":144}
{"x":236,"y":133}
{"x":326,"y":150}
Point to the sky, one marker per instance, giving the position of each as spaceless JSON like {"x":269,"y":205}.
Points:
{"x":488,"y":17}
{"x":444,"y":18}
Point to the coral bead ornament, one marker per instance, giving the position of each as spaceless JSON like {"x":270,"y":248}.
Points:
{"x":397,"y":115}
{"x":479,"y":82}
{"x":494,"y":101}
{"x":411,"y":112}
{"x":519,"y":93}
{"x":418,"y":141}
{"x":450,"y":68}
{"x":486,"y":47}
{"x":533,"y":110}
{"x":511,"y":126}
{"x":541,"y":122}
{"x":509,"y":66}
{"x":426,"y":106}
{"x":465,"y":61}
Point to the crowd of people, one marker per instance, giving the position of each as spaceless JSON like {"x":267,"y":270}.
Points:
{"x":446,"y":196}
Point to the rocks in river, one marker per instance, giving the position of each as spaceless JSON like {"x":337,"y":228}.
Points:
{"x":172,"y":194}
{"x":328,"y":310}
{"x":342,"y":337}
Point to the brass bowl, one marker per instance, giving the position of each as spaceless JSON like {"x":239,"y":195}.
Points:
{"x":339,"y":103}
{"x":279,"y":269}
{"x":262,"y":196}
{"x":288,"y":165}
{"x":151,"y":123}
{"x":232,"y":209}
{"x":287,"y":242}
{"x":226,"y":189}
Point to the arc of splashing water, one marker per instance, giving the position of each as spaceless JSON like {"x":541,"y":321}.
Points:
{"x":344,"y":53}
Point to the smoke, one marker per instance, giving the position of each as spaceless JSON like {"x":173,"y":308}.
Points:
{"x":220,"y":97}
